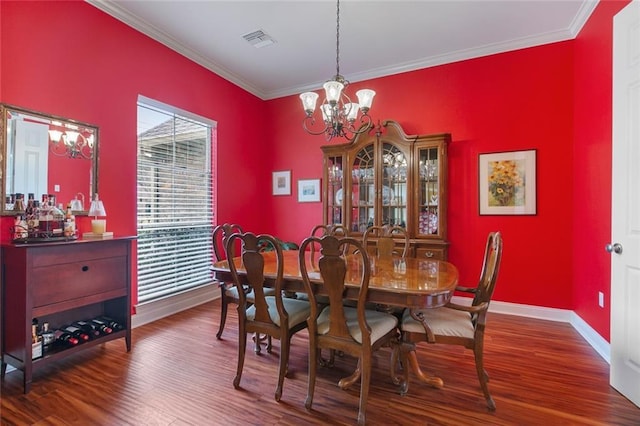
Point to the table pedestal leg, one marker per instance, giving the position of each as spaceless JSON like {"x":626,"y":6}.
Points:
{"x":433,"y":381}
{"x":346,"y":382}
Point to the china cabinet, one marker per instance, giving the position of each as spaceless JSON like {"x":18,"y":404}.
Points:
{"x":385,"y":177}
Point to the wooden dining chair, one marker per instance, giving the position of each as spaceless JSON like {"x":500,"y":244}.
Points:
{"x":273,"y":315}
{"x":228,"y":291}
{"x":354,"y":331}
{"x":388,"y":241}
{"x":457,"y":324}
{"x":336,"y":229}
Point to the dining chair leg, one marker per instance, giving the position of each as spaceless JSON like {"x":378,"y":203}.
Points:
{"x":284,"y":360}
{"x":483,"y":377}
{"x":313,"y":367}
{"x":365,"y":379}
{"x":395,"y":360}
{"x":242,"y":347}
{"x":223,"y":312}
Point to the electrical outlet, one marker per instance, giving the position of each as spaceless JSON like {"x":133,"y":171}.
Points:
{"x":601,"y":299}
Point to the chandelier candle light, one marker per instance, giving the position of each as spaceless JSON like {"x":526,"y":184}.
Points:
{"x":339,"y":114}
{"x":98,"y":226}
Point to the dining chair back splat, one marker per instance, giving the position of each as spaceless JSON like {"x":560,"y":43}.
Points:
{"x":271,"y":315}
{"x":457,"y":324}
{"x":352,"y":330}
{"x":390,"y":241}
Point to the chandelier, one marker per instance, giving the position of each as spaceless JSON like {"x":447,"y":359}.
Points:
{"x":339,"y":114}
{"x":71,"y":141}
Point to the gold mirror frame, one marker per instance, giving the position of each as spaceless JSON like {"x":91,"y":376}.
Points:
{"x":57,"y":150}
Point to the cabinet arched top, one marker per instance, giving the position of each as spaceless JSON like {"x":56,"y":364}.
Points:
{"x":388,"y":131}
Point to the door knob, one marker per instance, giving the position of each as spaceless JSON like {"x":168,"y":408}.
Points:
{"x":614,"y":248}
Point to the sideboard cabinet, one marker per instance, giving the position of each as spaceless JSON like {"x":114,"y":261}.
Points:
{"x":385,"y":177}
{"x":60,"y":283}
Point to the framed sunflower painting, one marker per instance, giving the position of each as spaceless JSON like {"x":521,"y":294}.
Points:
{"x":507,"y":183}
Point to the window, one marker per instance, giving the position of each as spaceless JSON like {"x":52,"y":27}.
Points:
{"x":175,"y":215}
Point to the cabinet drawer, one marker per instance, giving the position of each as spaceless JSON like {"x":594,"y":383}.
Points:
{"x":75,"y":280}
{"x":77,"y":252}
{"x":430,"y":253}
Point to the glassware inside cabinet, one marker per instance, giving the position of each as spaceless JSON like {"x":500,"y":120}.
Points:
{"x":335,"y":192}
{"x":394,"y":186}
{"x":428,"y":221}
{"x":363,"y":190}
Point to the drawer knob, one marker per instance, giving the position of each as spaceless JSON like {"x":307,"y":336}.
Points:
{"x":85,"y":268}
{"x":429,"y":254}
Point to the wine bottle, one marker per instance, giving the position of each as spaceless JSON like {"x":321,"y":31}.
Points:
{"x":102,"y":326}
{"x":65,"y":339}
{"x":88,"y":328}
{"x":113,"y":324}
{"x":76,"y":332}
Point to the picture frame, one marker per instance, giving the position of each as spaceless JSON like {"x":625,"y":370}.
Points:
{"x":281,"y":182}
{"x":507,"y":183}
{"x":308,"y":190}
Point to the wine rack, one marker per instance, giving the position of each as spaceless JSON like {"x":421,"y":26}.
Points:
{"x":58,"y":283}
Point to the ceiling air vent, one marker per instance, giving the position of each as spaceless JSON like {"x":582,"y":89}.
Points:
{"x":258,"y":39}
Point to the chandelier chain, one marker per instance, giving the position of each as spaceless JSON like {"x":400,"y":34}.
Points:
{"x":338,"y":38}
{"x":340,"y":116}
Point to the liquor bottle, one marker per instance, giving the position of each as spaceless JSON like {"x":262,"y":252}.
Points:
{"x":113,"y":324}
{"x":36,"y":340}
{"x":76,"y":332}
{"x":65,"y":339}
{"x":18,"y":205}
{"x":88,"y":328}
{"x":29,"y":214}
{"x":45,"y":218}
{"x":69,"y":223}
{"x":48,"y":336}
{"x":102,"y":326}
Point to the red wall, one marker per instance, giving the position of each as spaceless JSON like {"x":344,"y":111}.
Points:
{"x":553,"y":98}
{"x":497,"y":103}
{"x":73,"y":60}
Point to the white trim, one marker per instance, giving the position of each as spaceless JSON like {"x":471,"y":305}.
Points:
{"x":595,"y":340}
{"x":161,"y":308}
{"x":123,"y":15}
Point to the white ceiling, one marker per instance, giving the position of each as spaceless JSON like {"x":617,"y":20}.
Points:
{"x":377,"y":37}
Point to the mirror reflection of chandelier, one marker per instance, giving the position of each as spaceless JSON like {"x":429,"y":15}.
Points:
{"x":339,"y":114}
{"x":69,"y":142}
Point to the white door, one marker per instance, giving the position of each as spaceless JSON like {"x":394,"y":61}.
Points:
{"x":30,"y":158}
{"x":625,"y":226}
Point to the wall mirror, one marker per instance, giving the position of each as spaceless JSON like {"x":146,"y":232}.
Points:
{"x":46,"y":154}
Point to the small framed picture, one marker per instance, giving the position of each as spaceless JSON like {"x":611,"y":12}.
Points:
{"x":507,"y":183}
{"x":281,"y":182}
{"x":308,"y":190}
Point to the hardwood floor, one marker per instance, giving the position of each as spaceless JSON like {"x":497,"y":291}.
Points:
{"x":542,"y":373}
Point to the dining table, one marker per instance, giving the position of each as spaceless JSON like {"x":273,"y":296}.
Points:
{"x":412,"y":283}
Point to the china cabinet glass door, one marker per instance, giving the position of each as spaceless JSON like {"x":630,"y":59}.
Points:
{"x":393,"y":196}
{"x":363,"y":189}
{"x":335,"y":183}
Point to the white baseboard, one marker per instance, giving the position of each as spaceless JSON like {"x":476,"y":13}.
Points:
{"x":152,"y":311}
{"x":597,"y":342}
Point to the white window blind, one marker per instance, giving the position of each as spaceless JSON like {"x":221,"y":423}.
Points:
{"x":175,"y":213}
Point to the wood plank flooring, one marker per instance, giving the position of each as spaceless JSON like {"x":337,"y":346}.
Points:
{"x":542,"y":373}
